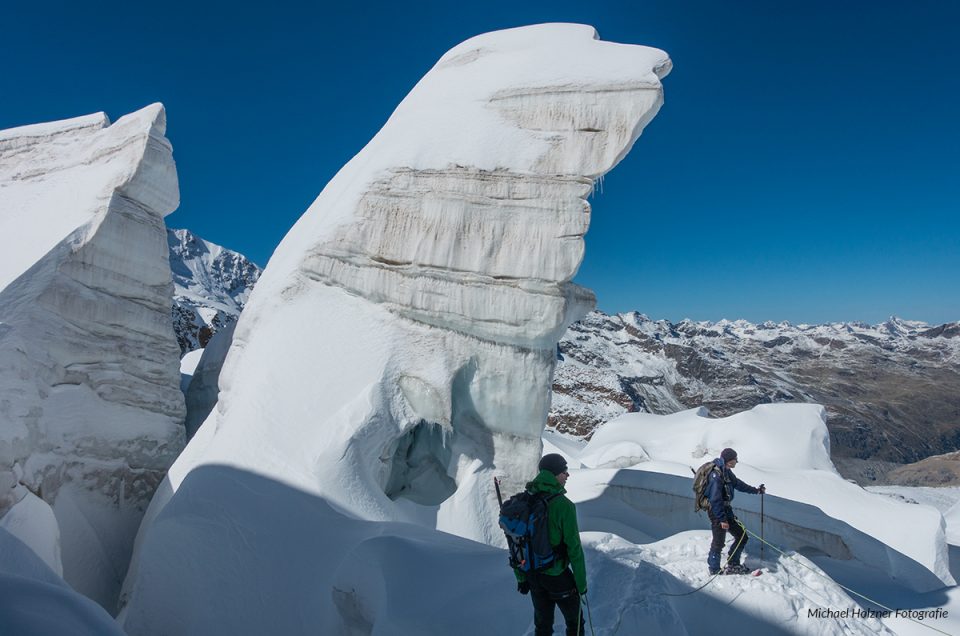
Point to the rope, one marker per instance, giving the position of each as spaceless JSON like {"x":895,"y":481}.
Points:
{"x":712,"y":578}
{"x":855,"y":593}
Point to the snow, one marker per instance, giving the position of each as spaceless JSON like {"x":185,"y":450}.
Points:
{"x":784,"y":446}
{"x":88,"y":361}
{"x":31,"y":520}
{"x":294,"y":564}
{"x":203,"y":388}
{"x":188,"y":365}
{"x":37,"y":602}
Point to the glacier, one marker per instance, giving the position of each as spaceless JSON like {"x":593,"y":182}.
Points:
{"x":90,"y":412}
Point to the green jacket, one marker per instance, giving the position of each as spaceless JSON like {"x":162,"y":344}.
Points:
{"x":562,"y":516}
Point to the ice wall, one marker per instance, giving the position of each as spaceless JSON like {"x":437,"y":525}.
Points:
{"x":398,"y":350}
{"x":90,"y":411}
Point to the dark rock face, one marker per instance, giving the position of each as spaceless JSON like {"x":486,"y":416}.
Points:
{"x":211,"y":286}
{"x":892,"y":391}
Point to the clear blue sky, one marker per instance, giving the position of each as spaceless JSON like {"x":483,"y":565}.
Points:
{"x":805,"y":166}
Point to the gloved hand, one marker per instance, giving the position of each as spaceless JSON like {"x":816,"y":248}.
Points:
{"x":762,"y":489}
{"x":523,"y":587}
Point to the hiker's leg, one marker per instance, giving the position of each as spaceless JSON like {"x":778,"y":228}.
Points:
{"x":739,"y":541}
{"x":543,"y":607}
{"x":563,"y":590}
{"x":572,"y":614}
{"x":716,"y":546}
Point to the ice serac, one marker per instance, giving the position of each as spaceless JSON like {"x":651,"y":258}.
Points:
{"x":90,"y":411}
{"x":397,"y":351}
{"x":399,"y":348}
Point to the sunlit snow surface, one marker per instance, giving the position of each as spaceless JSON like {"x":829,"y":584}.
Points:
{"x":328,"y":572}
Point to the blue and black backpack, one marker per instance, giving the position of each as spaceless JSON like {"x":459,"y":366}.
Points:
{"x":524,"y":520}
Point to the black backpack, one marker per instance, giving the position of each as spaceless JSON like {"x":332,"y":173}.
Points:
{"x":524,"y":520}
{"x":700,"y":478}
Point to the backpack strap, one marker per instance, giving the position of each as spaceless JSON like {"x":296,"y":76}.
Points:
{"x":559,"y":550}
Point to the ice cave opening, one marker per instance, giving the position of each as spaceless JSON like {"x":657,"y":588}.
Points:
{"x":418,"y":466}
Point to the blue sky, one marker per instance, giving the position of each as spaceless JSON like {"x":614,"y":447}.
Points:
{"x":805,"y":166}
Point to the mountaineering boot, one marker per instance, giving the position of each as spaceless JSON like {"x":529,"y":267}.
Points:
{"x":713,"y":562}
{"x":736,"y":568}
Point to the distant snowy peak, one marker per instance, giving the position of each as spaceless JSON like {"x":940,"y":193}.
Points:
{"x":211,"y":287}
{"x":893,"y":331}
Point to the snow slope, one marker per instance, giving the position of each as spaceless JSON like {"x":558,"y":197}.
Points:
{"x":90,"y":411}
{"x":298,"y":565}
{"x":808,"y":505}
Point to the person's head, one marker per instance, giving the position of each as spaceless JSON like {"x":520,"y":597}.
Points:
{"x":729,"y":457}
{"x":557,"y":465}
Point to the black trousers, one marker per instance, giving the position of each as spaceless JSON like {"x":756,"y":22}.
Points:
{"x":549,"y":592}
{"x":720,"y":536}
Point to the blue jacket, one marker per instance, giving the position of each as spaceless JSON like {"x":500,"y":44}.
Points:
{"x":720,"y":489}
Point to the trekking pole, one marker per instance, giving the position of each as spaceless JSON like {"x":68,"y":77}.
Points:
{"x":761,"y":526}
{"x":496,"y":484}
{"x":589,"y":614}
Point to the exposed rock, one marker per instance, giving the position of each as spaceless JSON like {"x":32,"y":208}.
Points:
{"x":211,"y":286}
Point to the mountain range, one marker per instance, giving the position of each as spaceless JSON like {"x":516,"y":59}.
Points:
{"x":891,"y":391}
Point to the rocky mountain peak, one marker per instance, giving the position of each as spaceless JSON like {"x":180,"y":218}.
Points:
{"x":211,"y":287}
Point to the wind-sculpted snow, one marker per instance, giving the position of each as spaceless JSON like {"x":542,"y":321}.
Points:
{"x":808,"y":507}
{"x":90,"y":412}
{"x":398,"y":350}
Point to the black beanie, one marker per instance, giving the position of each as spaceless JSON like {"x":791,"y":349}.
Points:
{"x":553,"y":462}
{"x":728,"y":454}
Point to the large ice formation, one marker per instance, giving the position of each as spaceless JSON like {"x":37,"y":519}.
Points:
{"x":401,"y":343}
{"x":90,"y":411}
{"x":398,"y":350}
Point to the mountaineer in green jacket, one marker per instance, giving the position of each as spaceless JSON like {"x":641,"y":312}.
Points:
{"x":557,"y":586}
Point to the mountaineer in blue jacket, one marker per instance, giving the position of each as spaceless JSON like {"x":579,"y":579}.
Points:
{"x":719,"y":491}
